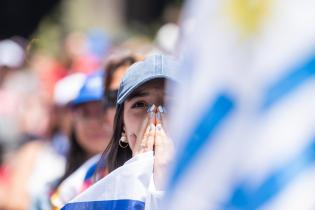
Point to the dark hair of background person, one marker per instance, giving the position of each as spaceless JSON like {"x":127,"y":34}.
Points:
{"x":111,"y":67}
{"x":75,"y":158}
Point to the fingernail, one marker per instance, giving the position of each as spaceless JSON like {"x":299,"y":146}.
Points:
{"x":151,"y":108}
{"x":160,"y":108}
{"x":158,"y":116}
{"x":159,"y":127}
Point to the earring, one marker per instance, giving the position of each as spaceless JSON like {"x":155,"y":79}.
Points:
{"x":123,"y":139}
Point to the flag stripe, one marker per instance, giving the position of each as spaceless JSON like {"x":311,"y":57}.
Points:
{"x":91,"y":171}
{"x":250,"y":199}
{"x":210,"y":121}
{"x":106,"y":205}
{"x":289,"y":83}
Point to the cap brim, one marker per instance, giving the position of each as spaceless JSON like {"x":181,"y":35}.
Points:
{"x":131,"y":90}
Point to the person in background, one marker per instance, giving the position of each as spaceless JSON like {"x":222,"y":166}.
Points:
{"x":16,"y":86}
{"x":39,"y":162}
{"x":89,"y":135}
{"x":90,"y":131}
{"x":66,"y":90}
{"x":84,"y":176}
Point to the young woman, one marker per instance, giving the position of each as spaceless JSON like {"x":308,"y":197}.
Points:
{"x":135,"y":130}
{"x":90,"y":133}
{"x":135,"y":179}
{"x":91,"y":130}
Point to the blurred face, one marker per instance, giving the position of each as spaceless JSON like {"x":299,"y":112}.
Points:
{"x":135,"y":108}
{"x":92,"y":132}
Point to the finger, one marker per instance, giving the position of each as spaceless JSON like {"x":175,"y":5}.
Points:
{"x":163,"y":146}
{"x":158,"y":118}
{"x":151,"y":138}
{"x":152,"y":117}
{"x":160,"y":136}
{"x":161,"y":116}
{"x":148,"y":137}
{"x":162,"y":140}
{"x":160,"y":133}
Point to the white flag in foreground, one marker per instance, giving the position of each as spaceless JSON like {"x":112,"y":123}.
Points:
{"x":245,"y":118}
{"x":129,"y":187}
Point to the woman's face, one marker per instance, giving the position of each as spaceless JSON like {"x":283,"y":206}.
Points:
{"x":135,"y":108}
{"x":90,"y":127}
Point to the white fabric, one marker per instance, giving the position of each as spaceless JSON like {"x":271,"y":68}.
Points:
{"x":132,"y":181}
{"x":68,"y":88}
{"x":48,"y":167}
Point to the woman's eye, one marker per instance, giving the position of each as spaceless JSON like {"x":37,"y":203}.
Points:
{"x":140,"y":105}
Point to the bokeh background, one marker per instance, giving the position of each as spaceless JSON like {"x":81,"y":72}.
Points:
{"x":44,"y":41}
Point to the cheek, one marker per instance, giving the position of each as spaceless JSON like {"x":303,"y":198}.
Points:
{"x":91,"y":142}
{"x":133,"y":123}
{"x":79,"y":129}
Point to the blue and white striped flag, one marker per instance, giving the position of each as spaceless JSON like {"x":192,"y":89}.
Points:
{"x":127,"y":188}
{"x":244,"y":121}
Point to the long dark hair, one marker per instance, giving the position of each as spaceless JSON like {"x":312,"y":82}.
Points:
{"x":116,"y":155}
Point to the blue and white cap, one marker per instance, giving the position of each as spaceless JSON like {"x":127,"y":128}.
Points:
{"x":68,"y":88}
{"x":153,"y":67}
{"x":92,"y":89}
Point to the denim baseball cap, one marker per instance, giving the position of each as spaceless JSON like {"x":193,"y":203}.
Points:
{"x":153,"y":67}
{"x":91,"y":90}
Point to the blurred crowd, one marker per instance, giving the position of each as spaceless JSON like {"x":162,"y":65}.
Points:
{"x":52,"y":119}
